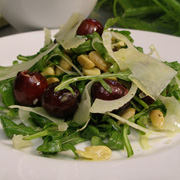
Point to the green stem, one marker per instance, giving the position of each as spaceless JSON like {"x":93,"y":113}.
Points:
{"x":132,"y":12}
{"x":138,"y":109}
{"x":174,"y":5}
{"x":126,"y":4}
{"x":141,"y":102}
{"x":120,"y":75}
{"x":36,"y":135}
{"x":114,"y":8}
{"x":138,"y":115}
{"x":161,"y":6}
{"x":126,"y":141}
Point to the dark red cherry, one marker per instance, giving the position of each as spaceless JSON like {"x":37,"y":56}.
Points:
{"x":88,"y":26}
{"x":118,"y":90}
{"x":61,"y":103}
{"x":28,"y":87}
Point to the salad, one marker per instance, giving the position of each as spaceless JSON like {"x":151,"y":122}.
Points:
{"x":88,"y":83}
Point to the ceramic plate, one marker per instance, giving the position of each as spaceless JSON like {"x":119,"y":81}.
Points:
{"x":162,"y":161}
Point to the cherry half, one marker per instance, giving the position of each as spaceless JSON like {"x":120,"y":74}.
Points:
{"x":28,"y":87}
{"x":88,"y":26}
{"x":61,"y":103}
{"x":118,"y":90}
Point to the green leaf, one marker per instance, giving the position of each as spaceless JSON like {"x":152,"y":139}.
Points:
{"x":89,"y":132}
{"x":66,"y":147}
{"x":6,"y":90}
{"x":110,"y":22}
{"x":73,"y":138}
{"x":84,"y":48}
{"x":39,"y":120}
{"x":12,"y":128}
{"x":115,"y":141}
{"x":50,"y":146}
{"x":112,"y":123}
{"x":97,"y":141}
{"x":98,"y":44}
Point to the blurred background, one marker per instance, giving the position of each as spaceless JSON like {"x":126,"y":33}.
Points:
{"x":161,"y":16}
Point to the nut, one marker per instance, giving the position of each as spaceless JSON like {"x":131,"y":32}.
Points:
{"x":85,"y":62}
{"x":95,"y":153}
{"x":128,"y":113}
{"x":157,"y":118}
{"x":48,"y":71}
{"x":58,"y":71}
{"x":52,"y":80}
{"x":91,"y":72}
{"x":99,"y":62}
{"x":64,"y":64}
{"x":118,"y":45}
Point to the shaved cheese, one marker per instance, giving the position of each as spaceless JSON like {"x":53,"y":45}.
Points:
{"x":120,"y":55}
{"x":62,"y":126}
{"x":19,"y":142}
{"x":103,"y":106}
{"x":67,"y":33}
{"x":149,"y":74}
{"x":172,"y":117}
{"x":24,"y":117}
{"x":47,"y":36}
{"x":82,"y":114}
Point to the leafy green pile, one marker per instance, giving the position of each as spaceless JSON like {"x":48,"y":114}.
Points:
{"x":100,"y":129}
{"x":150,"y":15}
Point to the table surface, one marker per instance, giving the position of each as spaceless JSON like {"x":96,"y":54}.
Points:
{"x":8,"y":30}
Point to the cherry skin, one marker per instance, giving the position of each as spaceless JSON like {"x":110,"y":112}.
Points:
{"x":28,"y":88}
{"x":118,"y":90}
{"x":62,"y":103}
{"x":88,"y":26}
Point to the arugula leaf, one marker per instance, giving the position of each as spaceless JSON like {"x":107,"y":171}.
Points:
{"x":6,"y":90}
{"x":53,"y":144}
{"x":66,"y":147}
{"x":98,"y":46}
{"x":115,"y":141}
{"x":12,"y":128}
{"x":97,"y":141}
{"x":89,"y":132}
{"x":175,"y":65}
{"x":39,"y":120}
{"x":50,"y":146}
{"x":110,"y":22}
{"x":173,"y":87}
{"x":72,"y":138}
{"x":84,"y":48}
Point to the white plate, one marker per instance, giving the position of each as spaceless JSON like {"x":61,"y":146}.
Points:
{"x":161,"y":162}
